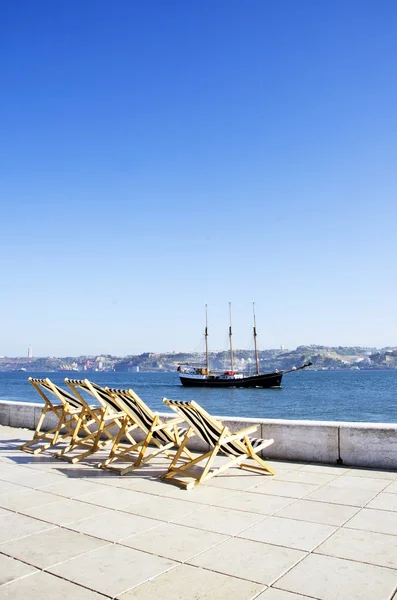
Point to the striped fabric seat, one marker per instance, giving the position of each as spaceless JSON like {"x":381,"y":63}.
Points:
{"x":163,"y":435}
{"x":73,"y":417}
{"x":144,"y":416}
{"x":63,"y":395}
{"x":100,"y":395}
{"x":107,"y":414}
{"x":238,"y":446}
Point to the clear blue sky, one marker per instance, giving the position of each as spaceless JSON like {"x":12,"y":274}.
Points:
{"x":159,"y":155}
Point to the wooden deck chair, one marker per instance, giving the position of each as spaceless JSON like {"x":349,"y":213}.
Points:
{"x":66,"y":408}
{"x":107,"y":419}
{"x":163,"y":435}
{"x":238,"y":446}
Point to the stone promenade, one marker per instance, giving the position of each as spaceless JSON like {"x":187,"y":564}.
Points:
{"x":76,"y":532}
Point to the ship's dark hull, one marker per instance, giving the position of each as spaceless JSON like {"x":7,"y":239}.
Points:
{"x":268,"y":380}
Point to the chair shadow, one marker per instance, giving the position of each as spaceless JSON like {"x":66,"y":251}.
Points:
{"x":86,"y":469}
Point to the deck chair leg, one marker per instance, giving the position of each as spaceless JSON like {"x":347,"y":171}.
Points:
{"x":74,"y":439}
{"x":36,"y":436}
{"x":143,"y":449}
{"x":263,"y":465}
{"x":113,"y":450}
{"x":50,"y":436}
{"x":207,"y":467}
{"x":180,"y":450}
{"x":254,"y":455}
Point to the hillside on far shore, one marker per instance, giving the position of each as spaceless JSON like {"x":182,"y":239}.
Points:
{"x":322,"y":357}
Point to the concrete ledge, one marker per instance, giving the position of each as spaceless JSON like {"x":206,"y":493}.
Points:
{"x":353,"y":444}
{"x":294,"y":440}
{"x":369,"y":445}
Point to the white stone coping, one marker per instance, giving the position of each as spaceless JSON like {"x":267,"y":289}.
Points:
{"x":371,"y":445}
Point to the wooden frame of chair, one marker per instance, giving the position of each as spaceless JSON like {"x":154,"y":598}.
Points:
{"x":163,"y":435}
{"x":239,"y":446}
{"x":105,"y":417}
{"x":67,"y":411}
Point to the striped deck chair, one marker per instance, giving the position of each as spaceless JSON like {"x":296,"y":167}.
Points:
{"x":163,"y":435}
{"x":108,"y":418}
{"x":238,"y":446}
{"x":66,"y":408}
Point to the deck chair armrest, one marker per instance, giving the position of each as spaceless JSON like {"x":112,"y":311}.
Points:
{"x":240,"y":434}
{"x":115,"y":415}
{"x":170,"y":423}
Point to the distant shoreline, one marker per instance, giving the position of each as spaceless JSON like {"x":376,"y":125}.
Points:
{"x":323,"y":358}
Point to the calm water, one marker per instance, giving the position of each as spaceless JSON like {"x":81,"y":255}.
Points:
{"x":320,"y":395}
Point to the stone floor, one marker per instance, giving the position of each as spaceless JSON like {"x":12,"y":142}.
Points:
{"x":312,"y":531}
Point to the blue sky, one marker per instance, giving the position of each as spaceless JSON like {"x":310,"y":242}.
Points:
{"x":157,"y":155}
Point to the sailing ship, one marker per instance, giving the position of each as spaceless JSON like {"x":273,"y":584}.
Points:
{"x":203,"y":376}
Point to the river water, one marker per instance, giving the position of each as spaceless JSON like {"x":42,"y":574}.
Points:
{"x":369,"y":396}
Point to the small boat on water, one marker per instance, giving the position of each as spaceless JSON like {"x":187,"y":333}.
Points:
{"x":202,"y":376}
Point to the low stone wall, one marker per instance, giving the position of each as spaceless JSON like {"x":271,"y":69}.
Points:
{"x":353,"y":444}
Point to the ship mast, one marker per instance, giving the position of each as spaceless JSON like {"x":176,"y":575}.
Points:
{"x":230,"y":336}
{"x":207,"y":362}
{"x":255,"y":344}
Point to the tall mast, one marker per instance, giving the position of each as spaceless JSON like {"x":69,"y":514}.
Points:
{"x":230,"y":336}
{"x":255,"y":344}
{"x":207,"y":362}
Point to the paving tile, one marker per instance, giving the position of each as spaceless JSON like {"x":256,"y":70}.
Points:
{"x":320,"y":468}
{"x":11,"y":569}
{"x":329,"y":578}
{"x":285,"y":488}
{"x":73,"y":488}
{"x":50,"y":464}
{"x":281,"y":466}
{"x":32,"y":479}
{"x":301,"y":476}
{"x":64,"y":511}
{"x":174,"y":541}
{"x":220,"y":520}
{"x":191,"y":583}
{"x":50,"y":547}
{"x":261,"y":563}
{"x":384,"y":501}
{"x":14,"y":526}
{"x":164,"y":509}
{"x":273,"y":594}
{"x":257,"y":503}
{"x":147,"y":485}
{"x":369,"y":519}
{"x":346,"y":496}
{"x":43,"y":585}
{"x":113,"y":569}
{"x":111,"y":480}
{"x":113,"y":525}
{"x":374,"y":474}
{"x":318,"y":512}
{"x":392,"y":488}
{"x":203,"y":494}
{"x":6,"y":487}
{"x":359,"y":483}
{"x":233,"y":481}
{"x":291,"y":533}
{"x":148,"y":471}
{"x":11,"y":472}
{"x":29,"y":498}
{"x":363,"y":546}
{"x":114,"y":498}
